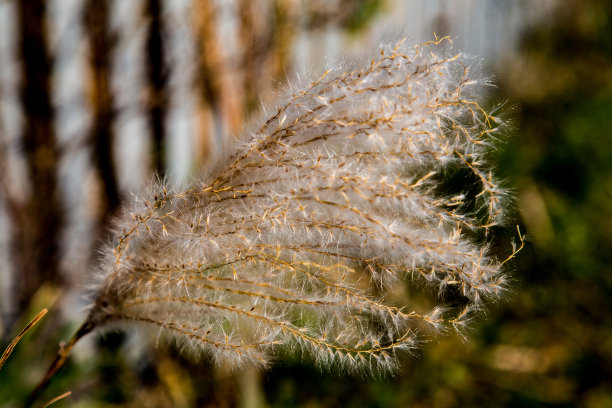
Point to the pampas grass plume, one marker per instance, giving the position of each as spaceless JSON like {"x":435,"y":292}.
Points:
{"x":315,"y":217}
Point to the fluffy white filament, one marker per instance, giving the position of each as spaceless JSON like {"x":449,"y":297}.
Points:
{"x":297,"y":240}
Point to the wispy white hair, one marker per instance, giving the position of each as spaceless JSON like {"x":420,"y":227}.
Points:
{"x":318,"y":217}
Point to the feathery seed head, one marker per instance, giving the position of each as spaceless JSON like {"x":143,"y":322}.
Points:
{"x":311,"y":228}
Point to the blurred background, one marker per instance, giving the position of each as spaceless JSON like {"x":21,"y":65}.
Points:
{"x":97,"y":97}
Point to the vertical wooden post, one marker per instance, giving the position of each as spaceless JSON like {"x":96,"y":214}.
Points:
{"x":39,"y":220}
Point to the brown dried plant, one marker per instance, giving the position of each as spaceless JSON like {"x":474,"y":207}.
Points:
{"x":304,"y":233}
{"x":9,"y":349}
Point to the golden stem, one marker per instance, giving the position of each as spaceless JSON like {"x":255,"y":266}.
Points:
{"x":59,"y":361}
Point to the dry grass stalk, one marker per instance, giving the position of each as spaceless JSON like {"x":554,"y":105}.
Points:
{"x":9,"y":349}
{"x":56,"y":399}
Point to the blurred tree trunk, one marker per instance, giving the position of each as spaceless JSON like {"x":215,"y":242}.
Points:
{"x":248,"y":42}
{"x":254,"y":37}
{"x":157,"y":76}
{"x":207,"y":85}
{"x":285,"y":18}
{"x":39,"y":219}
{"x":220,"y":95}
{"x":101,"y":47}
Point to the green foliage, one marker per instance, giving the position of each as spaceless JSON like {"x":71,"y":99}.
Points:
{"x":363,"y":13}
{"x":551,"y":344}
